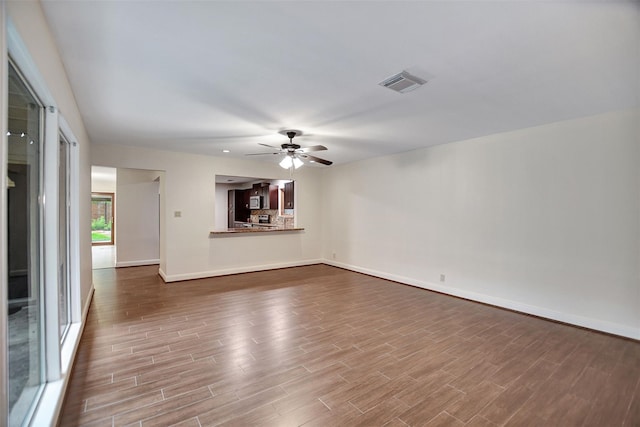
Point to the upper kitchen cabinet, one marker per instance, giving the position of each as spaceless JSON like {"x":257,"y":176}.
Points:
{"x":288,"y":195}
{"x":270,"y":196}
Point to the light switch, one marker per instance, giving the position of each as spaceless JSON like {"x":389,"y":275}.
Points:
{"x":177,"y":214}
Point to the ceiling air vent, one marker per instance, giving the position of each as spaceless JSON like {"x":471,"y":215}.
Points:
{"x":402,"y":82}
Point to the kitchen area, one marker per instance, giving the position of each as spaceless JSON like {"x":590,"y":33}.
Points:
{"x":254,"y":205}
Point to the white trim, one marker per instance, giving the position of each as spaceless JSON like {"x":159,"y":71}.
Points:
{"x":227,"y":271}
{"x":585,"y":322}
{"x":137,"y":263}
{"x":50,"y":231}
{"x":74,"y":221}
{"x":87,"y":305}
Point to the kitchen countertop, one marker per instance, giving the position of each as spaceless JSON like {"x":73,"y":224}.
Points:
{"x":254,"y":224}
{"x":250,"y":230}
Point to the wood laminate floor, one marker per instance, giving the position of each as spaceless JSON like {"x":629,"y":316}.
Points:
{"x":321,"y":346}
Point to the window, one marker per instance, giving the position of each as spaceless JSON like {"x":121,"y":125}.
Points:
{"x":24,"y":218}
{"x":102,"y":232}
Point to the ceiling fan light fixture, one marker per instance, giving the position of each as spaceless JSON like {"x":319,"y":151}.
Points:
{"x":286,"y":163}
{"x":291,"y":161}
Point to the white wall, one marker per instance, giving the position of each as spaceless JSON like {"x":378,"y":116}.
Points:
{"x":544,"y":220}
{"x":103,"y":180}
{"x":137,"y":230}
{"x":187,"y":250}
{"x":103,"y":186}
{"x":222,"y":206}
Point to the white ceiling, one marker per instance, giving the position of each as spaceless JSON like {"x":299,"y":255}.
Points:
{"x":206,"y":76}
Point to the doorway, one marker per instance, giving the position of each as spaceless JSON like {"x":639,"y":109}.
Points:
{"x":136,"y":238}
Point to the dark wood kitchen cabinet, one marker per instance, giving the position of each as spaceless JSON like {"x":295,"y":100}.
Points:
{"x":273,"y":197}
{"x":288,"y":195}
{"x":268,"y":192}
{"x":237,"y":209}
{"x":269,"y":196}
{"x":246,"y":196}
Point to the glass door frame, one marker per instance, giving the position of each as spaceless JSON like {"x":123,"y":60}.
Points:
{"x":64,"y":234}
{"x":36,"y":248}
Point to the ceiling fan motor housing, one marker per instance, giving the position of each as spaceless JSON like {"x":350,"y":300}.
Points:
{"x":290,"y":146}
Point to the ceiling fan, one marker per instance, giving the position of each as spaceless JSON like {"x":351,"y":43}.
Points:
{"x":295,"y":155}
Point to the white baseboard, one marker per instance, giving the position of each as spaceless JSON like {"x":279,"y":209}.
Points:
{"x":224,"y":272}
{"x":137,"y":263}
{"x":162,"y":274}
{"x":87,"y":305}
{"x":585,"y":322}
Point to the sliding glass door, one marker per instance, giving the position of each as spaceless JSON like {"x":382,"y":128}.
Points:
{"x":24,"y":217}
{"x":42,"y":313}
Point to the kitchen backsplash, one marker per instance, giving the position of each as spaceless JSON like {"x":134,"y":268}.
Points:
{"x":276,"y":219}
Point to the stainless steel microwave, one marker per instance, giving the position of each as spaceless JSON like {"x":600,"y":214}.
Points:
{"x":255,"y":202}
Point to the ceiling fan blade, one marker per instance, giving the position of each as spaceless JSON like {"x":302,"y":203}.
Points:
{"x":312,"y":148}
{"x":267,"y":145}
{"x":316,"y":159}
{"x":260,"y":154}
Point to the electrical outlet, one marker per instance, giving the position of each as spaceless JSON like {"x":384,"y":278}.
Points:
{"x":177,"y":214}
{"x":442,"y":277}
{"x":333,"y":255}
